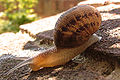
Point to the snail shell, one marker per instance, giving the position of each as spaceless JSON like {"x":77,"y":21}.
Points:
{"x":76,"y":26}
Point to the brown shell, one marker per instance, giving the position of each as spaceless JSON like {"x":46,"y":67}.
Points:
{"x":76,"y":25}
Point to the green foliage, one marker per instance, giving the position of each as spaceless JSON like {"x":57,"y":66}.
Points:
{"x":18,"y":12}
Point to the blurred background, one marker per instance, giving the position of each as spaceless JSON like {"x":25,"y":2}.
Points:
{"x":14,"y":13}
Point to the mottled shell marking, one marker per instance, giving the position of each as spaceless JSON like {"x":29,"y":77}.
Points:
{"x":76,"y":26}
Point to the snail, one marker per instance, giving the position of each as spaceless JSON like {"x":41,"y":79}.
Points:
{"x":73,"y":34}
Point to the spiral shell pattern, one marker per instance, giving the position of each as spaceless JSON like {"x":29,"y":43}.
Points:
{"x":76,"y":25}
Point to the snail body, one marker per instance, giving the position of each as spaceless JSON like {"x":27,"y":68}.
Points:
{"x":73,"y":33}
{"x":55,"y":56}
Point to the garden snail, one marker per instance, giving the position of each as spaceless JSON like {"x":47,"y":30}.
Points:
{"x":73,"y":33}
